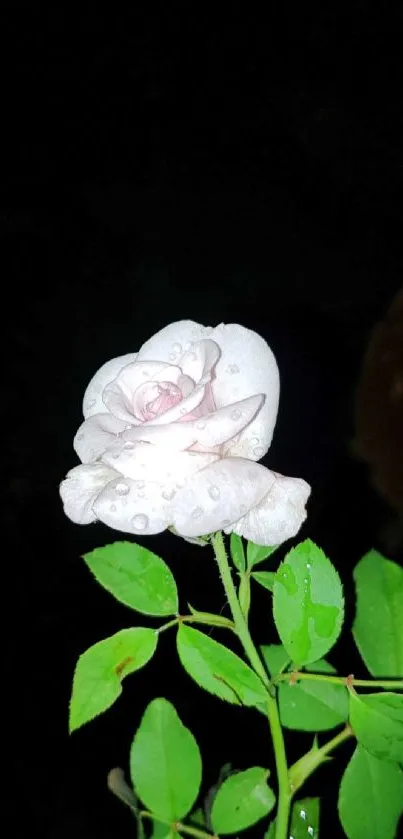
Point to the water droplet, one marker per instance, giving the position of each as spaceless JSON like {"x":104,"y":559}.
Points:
{"x":80,"y":436}
{"x":285,"y":575}
{"x":236,"y":415}
{"x":121,"y":489}
{"x":232,"y":369}
{"x":302,"y":814}
{"x":140,"y":484}
{"x":214,"y":493}
{"x":308,"y":565}
{"x":140,"y":521}
{"x":258,"y":451}
{"x":188,"y":345}
{"x":116,"y":455}
{"x":255,"y":441}
{"x":128,"y":445}
{"x":200,"y":425}
{"x":172,"y":356}
{"x":197,"y":512}
{"x":112,"y":508}
{"x":177,"y":348}
{"x":311,"y":830}
{"x":91,"y":403}
{"x":168,"y":494}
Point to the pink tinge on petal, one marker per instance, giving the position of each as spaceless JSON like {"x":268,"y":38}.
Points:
{"x":168,"y":395}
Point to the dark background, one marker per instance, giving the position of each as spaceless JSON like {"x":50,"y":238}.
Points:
{"x":180,"y":163}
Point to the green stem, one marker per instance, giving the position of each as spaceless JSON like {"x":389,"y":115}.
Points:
{"x":296,"y":676}
{"x":178,"y":826}
{"x":284,"y":795}
{"x":303,"y":768}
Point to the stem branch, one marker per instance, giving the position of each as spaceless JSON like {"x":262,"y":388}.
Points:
{"x":296,"y":676}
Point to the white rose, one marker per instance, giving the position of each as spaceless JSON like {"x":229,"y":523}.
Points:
{"x":171,"y":438}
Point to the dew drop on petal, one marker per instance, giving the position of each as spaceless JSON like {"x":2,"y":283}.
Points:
{"x":258,"y":451}
{"x":235,"y":415}
{"x":168,"y":494}
{"x":112,"y":508}
{"x":200,"y":425}
{"x":214,"y":493}
{"x":308,"y":565}
{"x":121,"y":489}
{"x":91,"y":403}
{"x":177,"y":348}
{"x":172,"y":356}
{"x":197,"y":512}
{"x":232,"y":369}
{"x":128,"y":445}
{"x":140,"y":521}
{"x":116,"y":455}
{"x":80,"y":436}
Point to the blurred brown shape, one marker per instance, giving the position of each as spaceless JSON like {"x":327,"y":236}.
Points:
{"x":379,"y":416}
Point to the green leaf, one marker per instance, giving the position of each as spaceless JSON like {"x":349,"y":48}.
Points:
{"x":308,"y":604}
{"x":165,"y":762}
{"x":242,"y":800}
{"x":276,"y":658}
{"x":100,"y":670}
{"x":378,"y":625}
{"x":237,"y":552}
{"x":136,"y":577}
{"x":258,"y":553}
{"x":377,"y":722}
{"x":313,"y":706}
{"x":370,"y":797}
{"x":304,"y":823}
{"x":217,"y":669}
{"x":265,"y":578}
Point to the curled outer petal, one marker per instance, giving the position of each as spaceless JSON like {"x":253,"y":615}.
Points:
{"x":81,"y":487}
{"x":279,"y":514}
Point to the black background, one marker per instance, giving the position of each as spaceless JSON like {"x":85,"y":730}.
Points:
{"x":174,"y":162}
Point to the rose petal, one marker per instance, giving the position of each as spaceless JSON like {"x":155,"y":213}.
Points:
{"x":80,"y":489}
{"x":200,"y":359}
{"x":172,"y":341}
{"x":278,"y":516}
{"x":219,"y":495}
{"x":247,"y":366}
{"x":133,"y":507}
{"x":144,"y":462}
{"x":118,"y":396}
{"x":196,"y":399}
{"x":208,"y":432}
{"x":95,"y":435}
{"x":92,"y":402}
